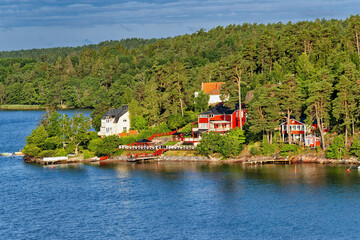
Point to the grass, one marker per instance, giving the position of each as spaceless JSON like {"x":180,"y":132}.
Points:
{"x":170,"y":143}
{"x":182,"y":153}
{"x":21,"y":107}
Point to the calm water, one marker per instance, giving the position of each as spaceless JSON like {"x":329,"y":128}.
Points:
{"x":171,"y":200}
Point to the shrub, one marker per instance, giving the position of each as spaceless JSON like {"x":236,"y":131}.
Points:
{"x":268,"y":149}
{"x":52,"y":143}
{"x":337,"y":148}
{"x":355,"y":148}
{"x":31,"y":150}
{"x":70,"y":148}
{"x":288,"y":149}
{"x":61,"y":153}
{"x":47,"y":153}
{"x":255,"y":151}
{"x":87,"y":154}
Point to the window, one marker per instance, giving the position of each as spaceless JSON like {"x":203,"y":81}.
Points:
{"x":124,"y":120}
{"x":124,"y":128}
{"x":203,"y":125}
{"x":203,"y":116}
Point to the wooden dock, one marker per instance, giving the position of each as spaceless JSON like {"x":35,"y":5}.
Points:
{"x":140,"y":159}
{"x":266,"y":161}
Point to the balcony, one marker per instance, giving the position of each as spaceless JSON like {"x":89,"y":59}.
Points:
{"x":220,"y":129}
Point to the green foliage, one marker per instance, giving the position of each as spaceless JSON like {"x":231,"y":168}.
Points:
{"x":289,"y":149}
{"x":268,"y":149}
{"x":355,"y":148}
{"x":337,"y":148}
{"x":295,"y":69}
{"x":138,"y":123}
{"x":96,"y":115}
{"x":52,"y":143}
{"x":255,"y":151}
{"x":202,"y":101}
{"x":61,"y":153}
{"x":186,"y":129}
{"x":47,"y":153}
{"x":87,"y":154}
{"x":104,"y":146}
{"x":31,"y":150}
{"x":175,"y":121}
{"x":37,"y":136}
{"x":230,"y":144}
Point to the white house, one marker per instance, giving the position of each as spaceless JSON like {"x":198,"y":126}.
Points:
{"x":213,"y":89}
{"x":115,"y":121}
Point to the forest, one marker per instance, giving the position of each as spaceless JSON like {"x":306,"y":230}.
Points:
{"x":307,"y":68}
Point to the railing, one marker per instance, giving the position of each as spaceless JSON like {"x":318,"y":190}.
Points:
{"x":126,"y":147}
{"x":220,"y":129}
{"x":191,"y":139}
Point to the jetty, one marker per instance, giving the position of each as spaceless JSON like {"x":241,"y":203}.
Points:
{"x":261,"y":161}
{"x":137,"y":157}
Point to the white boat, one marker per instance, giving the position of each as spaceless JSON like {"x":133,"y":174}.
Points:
{"x":6,"y":154}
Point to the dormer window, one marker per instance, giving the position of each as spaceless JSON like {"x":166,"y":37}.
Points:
{"x":124,"y":120}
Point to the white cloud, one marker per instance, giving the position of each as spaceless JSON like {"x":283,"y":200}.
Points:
{"x":108,"y":19}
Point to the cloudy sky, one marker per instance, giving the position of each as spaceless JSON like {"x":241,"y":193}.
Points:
{"x":26,"y":24}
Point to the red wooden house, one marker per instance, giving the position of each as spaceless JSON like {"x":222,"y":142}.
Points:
{"x":219,"y":119}
{"x":300,"y":133}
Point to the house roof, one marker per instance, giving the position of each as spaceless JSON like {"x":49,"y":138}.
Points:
{"x":218,"y":110}
{"x":131,"y":132}
{"x":293,"y":122}
{"x":212,"y":88}
{"x":116,"y":113}
{"x":143,"y":141}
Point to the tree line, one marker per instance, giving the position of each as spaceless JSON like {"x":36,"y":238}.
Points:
{"x":306,"y":68}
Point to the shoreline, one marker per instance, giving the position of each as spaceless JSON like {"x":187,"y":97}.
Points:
{"x":32,"y":107}
{"x":247,"y":160}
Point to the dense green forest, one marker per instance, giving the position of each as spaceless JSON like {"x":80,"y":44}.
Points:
{"x":293,"y":69}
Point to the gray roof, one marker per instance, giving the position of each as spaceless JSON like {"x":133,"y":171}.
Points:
{"x":220,"y":109}
{"x":116,"y":113}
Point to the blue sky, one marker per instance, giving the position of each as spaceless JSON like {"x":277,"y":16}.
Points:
{"x":26,"y":24}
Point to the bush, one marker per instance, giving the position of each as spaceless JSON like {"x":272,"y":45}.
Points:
{"x":47,"y":153}
{"x":61,"y":153}
{"x":87,"y":154}
{"x":230,"y":144}
{"x":52,"y":143}
{"x":355,"y":148}
{"x":337,"y":148}
{"x":288,"y":149}
{"x":268,"y":149}
{"x":104,"y":146}
{"x":31,"y":150}
{"x":70,"y":148}
{"x":255,"y":151}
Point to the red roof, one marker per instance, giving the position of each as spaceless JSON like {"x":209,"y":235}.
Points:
{"x":212,"y":88}
{"x":131,"y":132}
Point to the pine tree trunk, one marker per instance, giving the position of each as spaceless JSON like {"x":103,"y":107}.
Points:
{"x":357,"y":43}
{"x":353,"y":127}
{"x":271,"y":137}
{"x":346,"y":136}
{"x":288,"y":126}
{"x":320,"y":126}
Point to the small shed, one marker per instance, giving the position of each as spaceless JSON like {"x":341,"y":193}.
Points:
{"x":312,"y":141}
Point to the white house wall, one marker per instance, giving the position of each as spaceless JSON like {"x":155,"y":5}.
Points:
{"x":124,"y":123}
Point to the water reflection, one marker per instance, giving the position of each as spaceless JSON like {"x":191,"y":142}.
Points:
{"x":310,"y":176}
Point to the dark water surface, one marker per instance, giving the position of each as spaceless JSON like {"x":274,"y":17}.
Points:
{"x":174,"y":200}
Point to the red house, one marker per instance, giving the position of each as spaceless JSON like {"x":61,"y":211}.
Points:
{"x":300,"y":133}
{"x":219,"y":119}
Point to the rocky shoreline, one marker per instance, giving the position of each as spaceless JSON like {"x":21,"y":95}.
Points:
{"x":309,"y":158}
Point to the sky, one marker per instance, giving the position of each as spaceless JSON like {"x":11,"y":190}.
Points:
{"x":26,"y":24}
